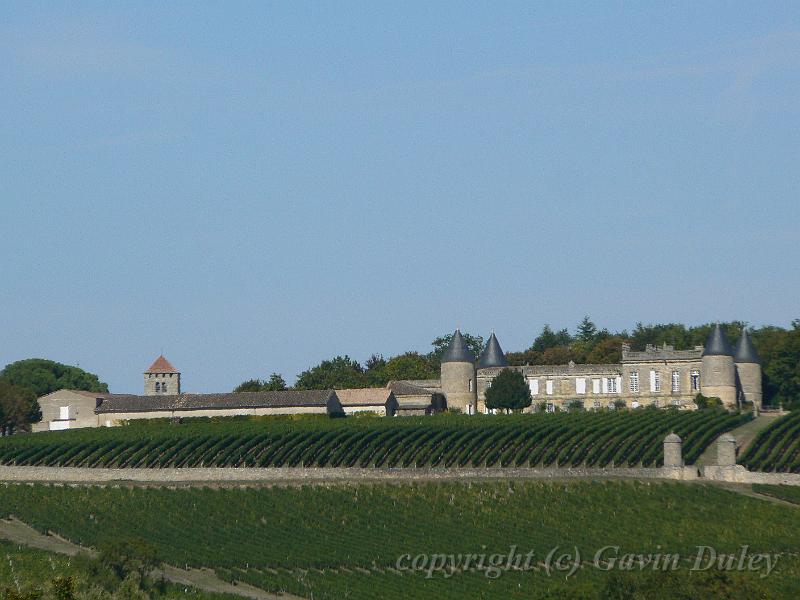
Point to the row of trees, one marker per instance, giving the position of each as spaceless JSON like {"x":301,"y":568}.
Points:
{"x":778,"y":347}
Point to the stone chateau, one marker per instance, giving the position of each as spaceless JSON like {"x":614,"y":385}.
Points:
{"x":658,"y":376}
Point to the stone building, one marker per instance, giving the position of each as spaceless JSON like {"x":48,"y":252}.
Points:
{"x":657,"y":376}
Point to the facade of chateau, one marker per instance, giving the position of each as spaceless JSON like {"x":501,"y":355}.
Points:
{"x":658,"y":376}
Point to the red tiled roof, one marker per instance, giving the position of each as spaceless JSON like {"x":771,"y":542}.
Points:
{"x":161,"y":365}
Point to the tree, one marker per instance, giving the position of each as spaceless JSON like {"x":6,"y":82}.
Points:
{"x":18,"y":407}
{"x":782,"y":373}
{"x":375,"y":370}
{"x":44,"y":376}
{"x":440,"y":344}
{"x":410,"y":365}
{"x":340,"y":372}
{"x":586,"y":330}
{"x":551,"y":339}
{"x":275,"y":383}
{"x":508,"y":391}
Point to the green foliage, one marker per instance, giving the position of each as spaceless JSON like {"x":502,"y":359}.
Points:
{"x":44,"y":376}
{"x":705,"y":402}
{"x":591,"y":438}
{"x":508,"y":391}
{"x":575,"y":405}
{"x":275,"y":383}
{"x":551,"y":339}
{"x":18,"y":407}
{"x":782,"y":366}
{"x":410,"y":365}
{"x":341,"y":372}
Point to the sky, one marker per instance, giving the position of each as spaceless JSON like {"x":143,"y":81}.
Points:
{"x":253,"y":187}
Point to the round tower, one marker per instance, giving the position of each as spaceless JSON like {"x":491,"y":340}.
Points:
{"x":458,"y":375}
{"x":719,"y":374}
{"x":748,"y":370}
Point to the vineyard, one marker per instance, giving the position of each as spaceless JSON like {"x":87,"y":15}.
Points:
{"x":618,"y":439}
{"x":777,"y":448}
{"x":344,"y":541}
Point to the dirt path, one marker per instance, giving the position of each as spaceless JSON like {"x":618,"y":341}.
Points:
{"x":744,"y":434}
{"x":18,"y":532}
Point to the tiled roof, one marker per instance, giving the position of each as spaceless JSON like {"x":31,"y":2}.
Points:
{"x":161,"y":365}
{"x":405,"y":388}
{"x":302,"y":398}
{"x":364,"y":396}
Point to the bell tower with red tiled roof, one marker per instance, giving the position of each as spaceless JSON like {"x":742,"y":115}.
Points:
{"x":162,"y":379}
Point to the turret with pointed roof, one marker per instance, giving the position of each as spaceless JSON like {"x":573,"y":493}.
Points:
{"x":459,"y":383}
{"x":162,"y":378}
{"x":457,"y":350}
{"x":493,"y":355}
{"x":745,"y":350}
{"x":748,"y":370}
{"x":717,"y":343}
{"x":719,"y":372}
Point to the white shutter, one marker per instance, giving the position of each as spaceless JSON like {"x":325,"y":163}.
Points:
{"x":534,"y":385}
{"x":652,"y":381}
{"x":549,"y":386}
{"x":605,"y":385}
{"x":580,"y":385}
{"x":595,"y":386}
{"x":619,"y":384}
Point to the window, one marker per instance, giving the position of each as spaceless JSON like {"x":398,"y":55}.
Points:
{"x":164,"y":387}
{"x":655,"y":381}
{"x":612,"y":405}
{"x":158,"y":386}
{"x":676,"y":381}
{"x":551,"y":408}
{"x":595,"y":386}
{"x":580,"y":385}
{"x":549,"y":386}
{"x":634,"y":382}
{"x":655,"y":403}
{"x":676,"y":403}
{"x":596,"y":404}
{"x":63,"y":413}
{"x":470,"y":385}
{"x":695,"y":375}
{"x":611,"y":385}
{"x":534,"y":385}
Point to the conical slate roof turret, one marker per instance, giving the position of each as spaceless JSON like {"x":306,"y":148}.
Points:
{"x":745,"y":350}
{"x":493,"y":354}
{"x":717,"y":344}
{"x":457,"y":351}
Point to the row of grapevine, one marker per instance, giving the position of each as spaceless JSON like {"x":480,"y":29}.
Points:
{"x":607,"y":439}
{"x":777,"y":448}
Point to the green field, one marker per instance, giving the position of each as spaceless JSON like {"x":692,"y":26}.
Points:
{"x":615,"y":438}
{"x":777,"y":448}
{"x":783,"y":492}
{"x":343,"y":541}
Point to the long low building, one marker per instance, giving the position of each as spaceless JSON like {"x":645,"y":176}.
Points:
{"x":71,"y":409}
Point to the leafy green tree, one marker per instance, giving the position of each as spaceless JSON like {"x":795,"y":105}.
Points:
{"x":375,"y":370}
{"x":440,"y":344}
{"x":551,"y":339}
{"x":410,"y":365}
{"x":586,"y":330}
{"x":275,"y":383}
{"x":251,"y":385}
{"x":340,"y":372}
{"x":783,"y":370}
{"x":18,"y":407}
{"x":44,"y":376}
{"x":508,"y":391}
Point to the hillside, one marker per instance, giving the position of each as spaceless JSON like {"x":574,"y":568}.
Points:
{"x":777,"y":448}
{"x":566,"y":439}
{"x":345,"y":541}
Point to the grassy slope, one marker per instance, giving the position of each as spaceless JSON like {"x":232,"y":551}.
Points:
{"x":371,"y":526}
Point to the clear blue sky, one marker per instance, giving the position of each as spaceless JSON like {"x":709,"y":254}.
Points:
{"x":254,"y":187}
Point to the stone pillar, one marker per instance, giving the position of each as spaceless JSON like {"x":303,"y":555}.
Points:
{"x":726,"y":450}
{"x":673,"y":451}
